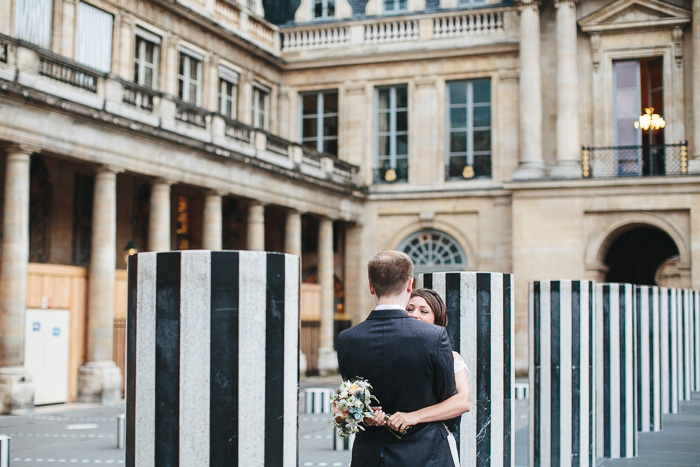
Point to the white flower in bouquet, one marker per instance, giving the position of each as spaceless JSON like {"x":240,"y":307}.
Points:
{"x":352,"y":402}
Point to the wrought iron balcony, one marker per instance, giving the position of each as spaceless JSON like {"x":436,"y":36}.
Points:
{"x":391,"y":175}
{"x":635,"y":161}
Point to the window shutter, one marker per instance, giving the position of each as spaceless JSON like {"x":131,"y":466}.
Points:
{"x":95,"y":37}
{"x":33,"y":21}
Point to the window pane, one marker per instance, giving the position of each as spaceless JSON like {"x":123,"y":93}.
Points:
{"x":458,"y":117}
{"x":482,"y":166}
{"x":182,"y":64}
{"x":626,"y":103}
{"x":136,"y":72}
{"x":330,"y":102}
{"x":309,"y":104}
{"x":401,"y":97}
{"x":626,"y":74}
{"x":402,"y":121}
{"x":181,"y":89}
{"x":456,"y":166}
{"x":309,"y":128}
{"x":482,"y":90}
{"x":331,"y":8}
{"x":383,"y":122}
{"x":402,"y":144}
{"x":383,"y":146}
{"x":458,"y":92}
{"x":33,"y":21}
{"x":149,"y":52}
{"x":482,"y":140}
{"x":458,"y":141}
{"x":383,"y":98}
{"x":331,"y":146}
{"x":482,"y":116}
{"x":94,"y":43}
{"x":318,"y":10}
{"x":193,"y":94}
{"x":330,"y":126}
{"x":193,"y":69}
{"x":148,"y":77}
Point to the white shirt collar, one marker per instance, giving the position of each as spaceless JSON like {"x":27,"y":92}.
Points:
{"x":389,"y":307}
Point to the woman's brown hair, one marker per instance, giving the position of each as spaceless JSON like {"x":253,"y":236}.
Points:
{"x":435,"y":303}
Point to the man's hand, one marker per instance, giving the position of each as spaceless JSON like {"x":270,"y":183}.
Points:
{"x":379,"y":418}
{"x":401,"y":421}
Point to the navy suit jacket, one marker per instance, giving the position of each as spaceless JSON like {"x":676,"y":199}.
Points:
{"x":409,"y":364}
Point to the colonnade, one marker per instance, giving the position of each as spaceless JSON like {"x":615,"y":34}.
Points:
{"x":99,"y":378}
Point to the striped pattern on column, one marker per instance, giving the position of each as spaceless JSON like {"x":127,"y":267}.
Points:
{"x":4,"y":451}
{"x":342,"y":444}
{"x":648,"y":359}
{"x":668,"y":330}
{"x":562,"y":415}
{"x":480,"y":314}
{"x":522,"y":391}
{"x":695,"y":301}
{"x":212,"y":355}
{"x":317,"y":400}
{"x":616,"y":392}
{"x":684,"y":365}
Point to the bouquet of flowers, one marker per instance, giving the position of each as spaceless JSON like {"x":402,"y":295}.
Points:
{"x":352,"y":402}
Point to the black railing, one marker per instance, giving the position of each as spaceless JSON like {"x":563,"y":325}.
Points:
{"x":458,"y":168}
{"x":635,"y":161}
{"x":68,"y":72}
{"x":139,"y":96}
{"x":191,"y":114}
{"x":391,"y":175}
{"x":238,"y":130}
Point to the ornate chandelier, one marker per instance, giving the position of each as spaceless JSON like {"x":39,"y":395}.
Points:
{"x":650,"y":120}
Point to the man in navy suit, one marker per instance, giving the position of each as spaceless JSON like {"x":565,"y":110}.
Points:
{"x":408,"y":362}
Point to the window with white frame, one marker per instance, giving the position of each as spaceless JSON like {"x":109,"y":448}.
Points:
{"x":433,"y":250}
{"x":94,"y":37}
{"x":190,"y":77}
{"x":33,"y":21}
{"x":319,"y":116}
{"x":469,"y":129}
{"x":261,"y":106}
{"x":228,"y":92}
{"x":471,"y":2}
{"x":391,"y":6}
{"x":391,"y":134}
{"x":324,"y":9}
{"x":146,"y":55}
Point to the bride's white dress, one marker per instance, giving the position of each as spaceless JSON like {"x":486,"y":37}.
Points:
{"x":459,"y":366}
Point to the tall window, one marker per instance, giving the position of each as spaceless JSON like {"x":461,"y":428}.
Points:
{"x":146,"y":53}
{"x":228,"y":92}
{"x":324,"y":8}
{"x":261,"y":106}
{"x":320,"y":121}
{"x":33,"y":21}
{"x":471,"y":2}
{"x":94,"y":37}
{"x":190,"y":77}
{"x":395,"y":5}
{"x":469,"y":123}
{"x":391,"y":140}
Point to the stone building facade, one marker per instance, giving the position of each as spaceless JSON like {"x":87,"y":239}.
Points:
{"x":474,"y":135}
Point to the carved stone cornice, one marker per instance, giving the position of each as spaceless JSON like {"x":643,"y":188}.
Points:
{"x":635,"y":15}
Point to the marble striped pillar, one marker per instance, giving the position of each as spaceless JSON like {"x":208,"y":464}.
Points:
{"x":684,"y":337}
{"x":648,"y":358}
{"x":480,"y":327}
{"x":562,"y":415}
{"x":616,"y":381}
{"x":668,"y":330}
{"x":696,"y":334}
{"x":212,"y":355}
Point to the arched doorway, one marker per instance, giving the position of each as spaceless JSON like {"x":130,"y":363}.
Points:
{"x":636,"y":255}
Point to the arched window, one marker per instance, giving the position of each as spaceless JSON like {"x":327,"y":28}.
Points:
{"x":433,"y":250}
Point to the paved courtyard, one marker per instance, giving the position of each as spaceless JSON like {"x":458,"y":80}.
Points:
{"x":87,"y":434}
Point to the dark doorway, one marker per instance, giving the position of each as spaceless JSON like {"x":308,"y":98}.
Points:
{"x":635,"y":256}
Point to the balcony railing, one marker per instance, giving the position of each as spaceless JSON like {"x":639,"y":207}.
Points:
{"x":139,"y":96}
{"x":68,"y":72}
{"x":635,"y":161}
{"x":4,"y":46}
{"x":391,"y":175}
{"x":239,"y":131}
{"x":191,"y":114}
{"x":277,"y":145}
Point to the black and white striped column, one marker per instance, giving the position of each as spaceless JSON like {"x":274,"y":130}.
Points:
{"x":616,"y":367}
{"x":685,"y":374}
{"x":668,"y":330}
{"x":562,"y":410}
{"x":480,"y":327}
{"x":648,"y":358}
{"x":212,"y":359}
{"x":695,"y":301}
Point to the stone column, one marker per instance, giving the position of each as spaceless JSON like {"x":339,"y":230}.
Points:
{"x":694,"y":165}
{"x":327,"y":357}
{"x":531,"y":160}
{"x":568,"y":138}
{"x":159,"y":220}
{"x":668,"y":333}
{"x":16,"y":386}
{"x":99,"y":379}
{"x":125,"y":62}
{"x":212,"y":222}
{"x":292,"y":237}
{"x":648,"y":358}
{"x":256,"y":226}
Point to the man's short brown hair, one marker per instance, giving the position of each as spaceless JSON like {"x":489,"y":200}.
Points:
{"x":389,"y":271}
